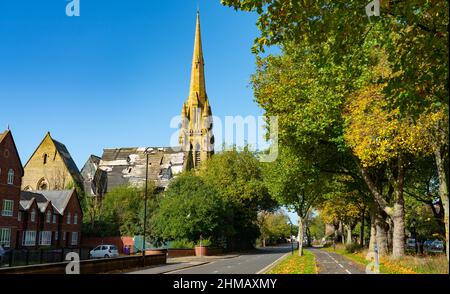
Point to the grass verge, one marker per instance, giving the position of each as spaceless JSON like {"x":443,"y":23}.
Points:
{"x":294,"y":264}
{"x":406,"y":265}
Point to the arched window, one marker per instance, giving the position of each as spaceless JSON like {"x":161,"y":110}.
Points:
{"x":42,"y":185}
{"x":10,"y":177}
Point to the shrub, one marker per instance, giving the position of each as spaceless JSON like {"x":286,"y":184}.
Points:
{"x":182,"y":244}
{"x":205,"y":242}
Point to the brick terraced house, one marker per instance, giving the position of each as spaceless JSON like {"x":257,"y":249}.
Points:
{"x":50,"y":219}
{"x":11,"y":173}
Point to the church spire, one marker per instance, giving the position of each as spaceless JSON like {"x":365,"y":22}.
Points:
{"x":197,"y":90}
{"x":196,"y":137}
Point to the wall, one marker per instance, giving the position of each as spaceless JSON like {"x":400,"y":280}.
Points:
{"x":91,"y":266}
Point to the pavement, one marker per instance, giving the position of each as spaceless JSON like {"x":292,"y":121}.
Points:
{"x":252,"y":262}
{"x":333,"y":263}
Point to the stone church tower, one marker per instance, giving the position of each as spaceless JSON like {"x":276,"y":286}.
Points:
{"x":196,"y":136}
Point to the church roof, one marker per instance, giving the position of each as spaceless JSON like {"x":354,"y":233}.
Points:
{"x":66,"y":157}
{"x":127,"y":166}
{"x":68,"y":160}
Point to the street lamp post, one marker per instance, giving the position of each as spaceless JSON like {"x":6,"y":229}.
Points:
{"x":145,"y":208}
{"x":292,"y":241}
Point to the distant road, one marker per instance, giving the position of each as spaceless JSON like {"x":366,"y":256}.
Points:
{"x":248,"y":263}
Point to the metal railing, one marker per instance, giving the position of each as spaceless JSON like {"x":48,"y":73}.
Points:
{"x":24,"y":257}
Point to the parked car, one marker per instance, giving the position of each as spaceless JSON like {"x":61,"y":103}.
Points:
{"x":437,"y":246}
{"x":427,"y":245}
{"x":3,"y":255}
{"x":411,"y":244}
{"x":104,"y":251}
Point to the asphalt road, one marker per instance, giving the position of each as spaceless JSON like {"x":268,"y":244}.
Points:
{"x":249,"y":263}
{"x":333,"y":263}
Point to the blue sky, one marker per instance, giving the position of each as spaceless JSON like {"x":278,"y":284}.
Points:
{"x":116,"y":75}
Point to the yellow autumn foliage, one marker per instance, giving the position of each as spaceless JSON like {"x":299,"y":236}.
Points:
{"x":377,"y":134}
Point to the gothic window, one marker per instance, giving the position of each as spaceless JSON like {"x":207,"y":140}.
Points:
{"x":42,"y":185}
{"x":45,"y":158}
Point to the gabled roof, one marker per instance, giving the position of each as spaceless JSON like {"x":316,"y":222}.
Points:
{"x":27,"y":199}
{"x":3,"y":137}
{"x":65,"y":155}
{"x":58,"y":199}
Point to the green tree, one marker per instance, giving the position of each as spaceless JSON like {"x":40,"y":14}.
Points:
{"x":295,"y":183}
{"x":189,"y":209}
{"x":237,"y":177}
{"x":414,"y":34}
{"x":273,"y":227}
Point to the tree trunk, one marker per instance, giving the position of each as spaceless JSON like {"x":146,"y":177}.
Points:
{"x":308,"y":235}
{"x":443,"y":192}
{"x":361,"y":231}
{"x":398,"y":216}
{"x":381,"y":234}
{"x":342,"y":231}
{"x":398,"y":240}
{"x":300,"y":235}
{"x":373,"y":231}
{"x":349,"y":235}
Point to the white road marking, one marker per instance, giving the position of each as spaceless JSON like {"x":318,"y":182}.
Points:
{"x":348,"y":272}
{"x":341,"y":265}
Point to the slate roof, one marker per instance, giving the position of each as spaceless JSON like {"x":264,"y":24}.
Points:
{"x":68,"y":160}
{"x":58,"y":199}
{"x":126,"y":166}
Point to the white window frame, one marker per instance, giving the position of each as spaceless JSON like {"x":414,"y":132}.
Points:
{"x":8,"y":207}
{"x":10,"y":177}
{"x":68,"y":218}
{"x":75,"y":219}
{"x":48,"y":217}
{"x":45,"y":238}
{"x":54,"y":218}
{"x":29,"y":238}
{"x":74,"y":239}
{"x":5,"y":237}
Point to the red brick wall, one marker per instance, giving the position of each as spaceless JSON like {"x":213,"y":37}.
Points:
{"x":10,"y":192}
{"x":72,"y":207}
